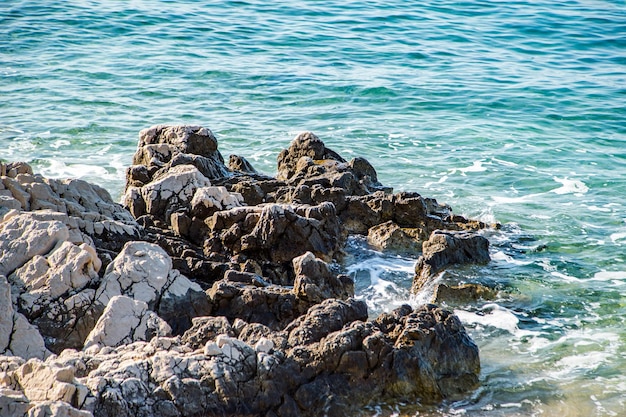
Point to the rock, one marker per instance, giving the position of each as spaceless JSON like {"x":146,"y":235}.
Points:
{"x":304,"y":145}
{"x":56,"y":409}
{"x":143,"y":272}
{"x":17,"y":336}
{"x":460,"y":294}
{"x":13,"y":403}
{"x":247,"y":296}
{"x":241,"y":164}
{"x":275,"y":234}
{"x":52,"y":287}
{"x":435,"y":358}
{"x":46,"y":382}
{"x":63,"y":272}
{"x":277,"y":332}
{"x":389,"y":236}
{"x":307,"y":161}
{"x":264,"y":345}
{"x":22,"y":238}
{"x":163,"y":147}
{"x":284,"y":232}
{"x":171,"y":191}
{"x":206,"y":329}
{"x":449,"y":248}
{"x":273,"y":306}
{"x":324,"y":318}
{"x":315,"y":282}
{"x":125,"y":321}
{"x":86,"y":209}
{"x":422,"y":355}
{"x":208,"y":200}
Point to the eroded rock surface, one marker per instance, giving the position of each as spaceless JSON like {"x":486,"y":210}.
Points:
{"x":444,"y":249}
{"x":241,"y":369}
{"x":212,"y":293}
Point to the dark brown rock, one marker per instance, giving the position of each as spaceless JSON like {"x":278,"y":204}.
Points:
{"x":445,"y":248}
{"x":464,"y":293}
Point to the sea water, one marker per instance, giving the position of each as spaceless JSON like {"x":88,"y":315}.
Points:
{"x":509,"y":111}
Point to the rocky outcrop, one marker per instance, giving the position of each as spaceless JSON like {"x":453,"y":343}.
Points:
{"x":330,"y":359}
{"x":274,"y":234}
{"x":17,"y":336}
{"x":449,"y":248}
{"x":462,"y":294}
{"x":248,"y":296}
{"x":389,"y":236}
{"x":217,"y":292}
{"x":163,"y":147}
{"x":52,"y":274}
{"x":56,"y":286}
{"x":143,"y":272}
{"x":88,"y":208}
{"x":125,"y":321}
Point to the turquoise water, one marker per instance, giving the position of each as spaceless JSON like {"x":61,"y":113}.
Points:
{"x":509,"y":111}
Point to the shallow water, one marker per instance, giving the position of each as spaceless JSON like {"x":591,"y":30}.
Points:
{"x":508,"y":111}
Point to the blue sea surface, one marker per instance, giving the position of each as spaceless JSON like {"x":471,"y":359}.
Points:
{"x":509,"y":111}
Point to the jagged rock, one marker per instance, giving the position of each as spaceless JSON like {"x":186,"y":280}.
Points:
{"x":22,"y":238}
{"x":85,"y":208}
{"x":167,"y":193}
{"x":143,"y":271}
{"x":205,"y":329}
{"x":389,"y":236}
{"x":324,"y":318}
{"x":308,"y":161}
{"x":422,"y":355}
{"x":241,"y":164}
{"x":56,"y":409}
{"x":273,"y":306}
{"x":63,"y":272}
{"x":464,"y":293}
{"x":445,"y":248}
{"x":13,"y":403}
{"x":208,"y":200}
{"x":162,"y":147}
{"x":247,"y":296}
{"x":277,"y":334}
{"x":274,"y":234}
{"x":304,"y":145}
{"x":125,"y":321}
{"x":51,"y":289}
{"x":17,"y":336}
{"x":315,"y":282}
{"x":46,"y":382}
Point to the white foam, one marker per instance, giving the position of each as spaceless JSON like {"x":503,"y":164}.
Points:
{"x":505,"y":163}
{"x":520,"y":199}
{"x":381,"y":293}
{"x":61,"y":170}
{"x":501,"y":256}
{"x":568,"y":186}
{"x":584,"y":361}
{"x":618,"y":236}
{"x":491,"y":315}
{"x":600,"y":209}
{"x":564,"y":277}
{"x":477,"y":166}
{"x":58,"y":143}
{"x":609,"y":275}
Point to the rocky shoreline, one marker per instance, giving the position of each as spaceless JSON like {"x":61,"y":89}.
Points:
{"x":210,"y":291}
